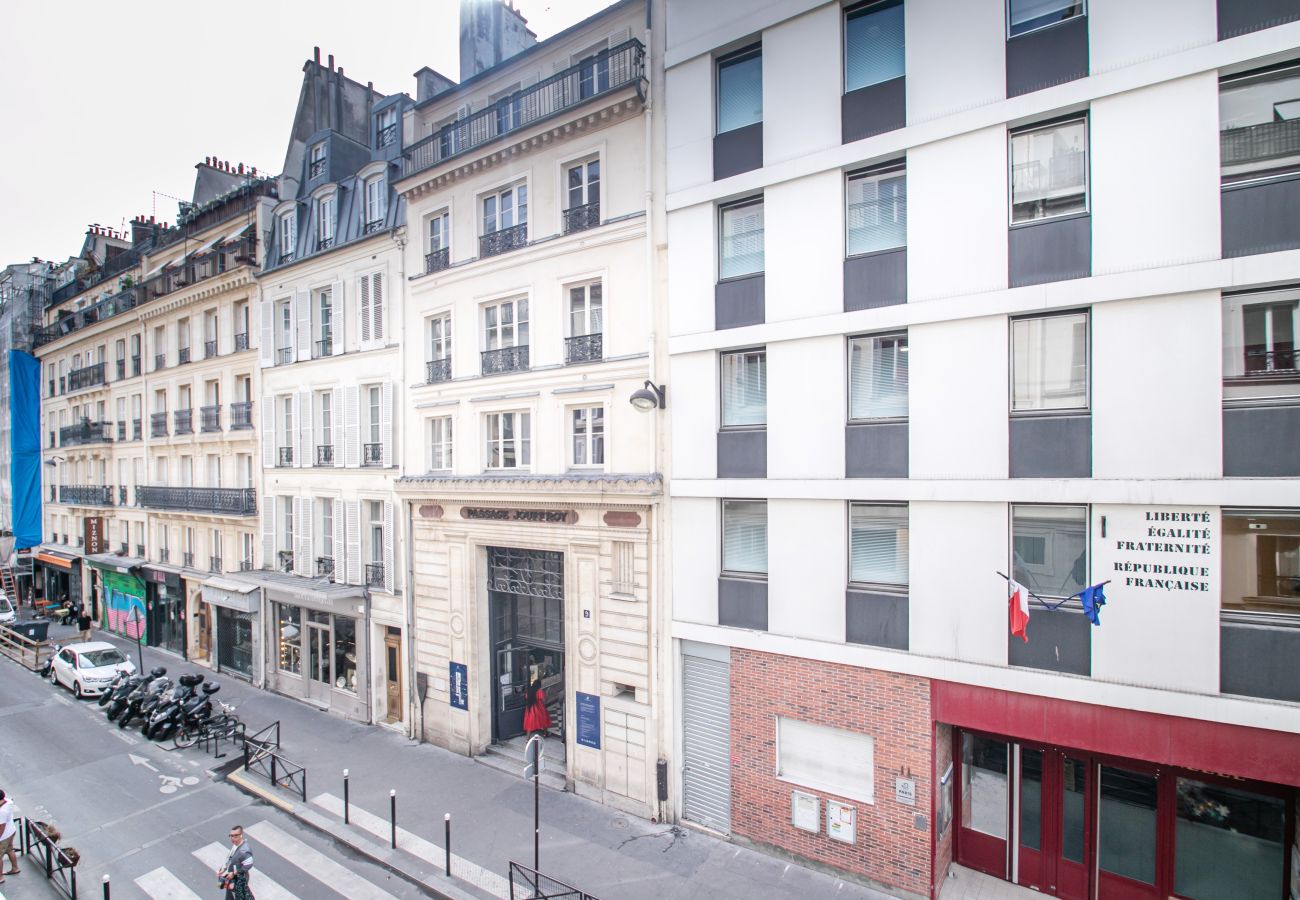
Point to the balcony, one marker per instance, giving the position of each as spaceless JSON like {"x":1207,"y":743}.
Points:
{"x":324,"y":454}
{"x":374,"y":575}
{"x":122,"y":548}
{"x":121,"y":496}
{"x":135,"y":366}
{"x":317,"y":168}
{"x":386,"y":135}
{"x":187,"y":560}
{"x":137,"y":429}
{"x":87,"y":376}
{"x":1271,"y":362}
{"x":73,"y":321}
{"x":284,"y":560}
{"x":437,"y":260}
{"x":284,"y":356}
{"x":86,"y":495}
{"x":164,"y":555}
{"x":241,"y":341}
{"x":285,"y":457}
{"x":325,"y":566}
{"x":245,"y":565}
{"x":159,"y":361}
{"x":209,"y":349}
{"x":438,"y":370}
{"x":121,"y":431}
{"x":503,"y":240}
{"x":580,"y":218}
{"x":85,"y":432}
{"x":184,"y":421}
{"x":217,"y":501}
{"x":583,"y":348}
{"x":210,"y":418}
{"x":139,"y":551}
{"x":611,"y":70}
{"x":241,"y":415}
{"x":324,"y":347}
{"x":507,"y":359}
{"x":372,"y":226}
{"x":372,"y":454}
{"x":182,"y":356}
{"x":214,"y":563}
{"x":121,"y":369}
{"x":158,"y":424}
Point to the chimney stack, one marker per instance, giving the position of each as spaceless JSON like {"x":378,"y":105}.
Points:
{"x":315,"y":53}
{"x":331,"y":65}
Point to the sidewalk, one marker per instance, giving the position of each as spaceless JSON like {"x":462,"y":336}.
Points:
{"x":592,"y":847}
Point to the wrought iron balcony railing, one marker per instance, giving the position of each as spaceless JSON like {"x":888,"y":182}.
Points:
{"x":214,"y":563}
{"x":245,"y":565}
{"x":158,"y":424}
{"x":137,"y":429}
{"x":583,"y":348}
{"x":184,"y":421}
{"x":386,"y":135}
{"x":503,"y":240}
{"x":1272,"y":362}
{"x":122,"y":548}
{"x":241,"y":415}
{"x":507,"y":359}
{"x":285,"y":457}
{"x":608,"y":71}
{"x":284,"y":559}
{"x":182,"y":356}
{"x":241,"y":341}
{"x":87,"y":376}
{"x":164,"y":555}
{"x":375,"y":575}
{"x":86,"y":494}
{"x":209,"y":349}
{"x":218,"y":501}
{"x":187,"y":560}
{"x":139,"y":551}
{"x":325,"y":347}
{"x":437,"y":260}
{"x":159,"y":361}
{"x":372,"y":454}
{"x":325,"y":566}
{"x":372,"y":226}
{"x":85,"y":432}
{"x":580,"y":218}
{"x":210,"y":418}
{"x":121,"y":495}
{"x":324,"y":243}
{"x":284,"y":356}
{"x":317,"y":168}
{"x":438,"y":370}
{"x":121,"y":369}
{"x":324,"y":454}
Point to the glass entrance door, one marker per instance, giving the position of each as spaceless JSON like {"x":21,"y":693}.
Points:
{"x":1052,"y":833}
{"x":526,"y":603}
{"x":318,"y":656}
{"x":984,"y":799}
{"x":1127,"y":829}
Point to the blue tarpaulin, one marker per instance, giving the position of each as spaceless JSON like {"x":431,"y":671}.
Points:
{"x":25,"y":447}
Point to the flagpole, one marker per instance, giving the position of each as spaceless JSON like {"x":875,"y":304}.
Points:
{"x":1047,"y":605}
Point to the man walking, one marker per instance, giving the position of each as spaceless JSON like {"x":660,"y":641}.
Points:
{"x":233,"y":875}
{"x":8,"y":831}
{"x":83,"y":624}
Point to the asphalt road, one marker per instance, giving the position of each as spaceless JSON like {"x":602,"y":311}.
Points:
{"x":153,"y":820}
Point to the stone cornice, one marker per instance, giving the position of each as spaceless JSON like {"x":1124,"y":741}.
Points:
{"x":533,"y":491}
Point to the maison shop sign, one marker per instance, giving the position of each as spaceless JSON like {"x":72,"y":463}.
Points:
{"x":1162,"y":549}
{"x":547,"y":516}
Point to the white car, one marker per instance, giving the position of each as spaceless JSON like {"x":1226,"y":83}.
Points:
{"x":7,"y":612}
{"x":88,"y":668}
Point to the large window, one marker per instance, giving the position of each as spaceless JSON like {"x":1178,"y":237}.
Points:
{"x":1049,"y":171}
{"x":1030,"y":15}
{"x":1261,"y":561}
{"x":1049,"y":549}
{"x":740,"y":233}
{"x":439,"y":231}
{"x":505,"y":209}
{"x":744,"y":537}
{"x":1259,"y":124}
{"x":878,"y":377}
{"x":440,"y":337}
{"x":376,"y":202}
{"x":585,"y":309}
{"x":873,"y":44}
{"x":325,"y":214}
{"x":878,"y":543}
{"x":876,"y":213}
{"x":1230,"y":842}
{"x":582,"y":183}
{"x":289,"y":638}
{"x":508,"y":440}
{"x":505,"y":324}
{"x":288,"y":233}
{"x":740,"y":89}
{"x":345,"y":654}
{"x":440,"y":444}
{"x":744,"y":388}
{"x":587,"y":427}
{"x":833,"y":760}
{"x":325,"y":322}
{"x":1049,"y":363}
{"x":1259,"y":335}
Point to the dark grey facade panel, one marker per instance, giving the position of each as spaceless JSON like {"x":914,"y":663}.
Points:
{"x":740,"y":150}
{"x":1243,"y":16}
{"x":874,"y":109}
{"x":876,"y":279}
{"x":1054,"y":250}
{"x":1260,"y":218}
{"x":1060,"y":640}
{"x":742,"y":603}
{"x":876,"y":450}
{"x":1051,"y":447}
{"x":742,"y":453}
{"x":738,"y":302}
{"x":1259,"y":661}
{"x":877,"y":619}
{"x":1049,"y":56}
{"x":1263,"y":441}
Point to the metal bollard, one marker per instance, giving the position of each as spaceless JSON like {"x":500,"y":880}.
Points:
{"x":392,"y":815}
{"x":108,"y":891}
{"x":345,"y":798}
{"x":446,"y":821}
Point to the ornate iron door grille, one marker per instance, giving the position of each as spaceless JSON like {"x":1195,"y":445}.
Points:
{"x":528,"y":573}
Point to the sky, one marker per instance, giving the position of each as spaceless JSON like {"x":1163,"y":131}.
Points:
{"x":107,"y":106}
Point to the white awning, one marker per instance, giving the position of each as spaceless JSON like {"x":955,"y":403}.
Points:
{"x":180,"y":260}
{"x":236,"y":233}
{"x":227,"y":584}
{"x":154,"y":271}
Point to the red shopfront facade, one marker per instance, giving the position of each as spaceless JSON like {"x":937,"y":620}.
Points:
{"x":1088,"y":802}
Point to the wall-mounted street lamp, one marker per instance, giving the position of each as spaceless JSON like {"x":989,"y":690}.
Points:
{"x":650,"y":397}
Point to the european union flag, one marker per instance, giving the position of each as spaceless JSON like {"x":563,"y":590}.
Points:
{"x":1094,"y":598}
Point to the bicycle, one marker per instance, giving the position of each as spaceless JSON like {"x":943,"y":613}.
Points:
{"x":224,"y":724}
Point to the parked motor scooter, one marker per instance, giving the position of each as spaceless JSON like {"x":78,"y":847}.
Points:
{"x":118,"y":680}
{"x":143,"y":704}
{"x":47,"y":669}
{"x":125,"y":707}
{"x":166,"y":716}
{"x":117,"y":695}
{"x":194,"y":715}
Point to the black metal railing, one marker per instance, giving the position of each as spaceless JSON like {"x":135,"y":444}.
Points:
{"x":324,"y":243}
{"x":182,"y":356}
{"x":87,"y":376}
{"x":317,"y":168}
{"x":324,"y":454}
{"x":135,"y":366}
{"x":241,"y":415}
{"x":59,"y":865}
{"x":386,"y":135}
{"x":526,"y":882}
{"x":582,"y":348}
{"x":85,"y":432}
{"x":86,"y":494}
{"x":183,"y":421}
{"x":241,"y":341}
{"x":73,"y":321}
{"x":158,"y":424}
{"x":374,"y":575}
{"x":372,"y":454}
{"x":503,"y":240}
{"x":214,"y":563}
{"x":372,"y":226}
{"x":259,"y":757}
{"x":121,"y":498}
{"x":325,"y":347}
{"x":122,"y":548}
{"x":63,"y":384}
{"x":284,"y":560}
{"x":210,"y":418}
{"x":437,"y":260}
{"x":438,"y":370}
{"x":164,"y":555}
{"x":137,"y":429}
{"x":580,"y":218}
{"x":139,"y":551}
{"x":284,"y":355}
{"x":209,"y":349}
{"x":325,"y":566}
{"x":245,"y":565}
{"x":285,"y":457}
{"x":121,"y":369}
{"x":219,"y":501}
{"x":610,"y":70}
{"x":187,"y":559}
{"x":121,"y":431}
{"x":507,"y":359}
{"x":1270,"y":362}
{"x":159,"y":361}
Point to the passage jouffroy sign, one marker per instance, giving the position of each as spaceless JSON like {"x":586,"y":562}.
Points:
{"x":548,"y":516}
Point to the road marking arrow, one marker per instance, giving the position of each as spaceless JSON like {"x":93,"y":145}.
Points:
{"x":141,"y":761}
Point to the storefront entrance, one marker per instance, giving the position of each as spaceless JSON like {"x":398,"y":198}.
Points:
{"x":1075,"y":825}
{"x":393,"y":674}
{"x":526,"y":605}
{"x":165,"y":603}
{"x":234,"y":641}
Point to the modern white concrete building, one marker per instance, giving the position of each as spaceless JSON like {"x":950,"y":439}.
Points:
{"x":964,"y":289}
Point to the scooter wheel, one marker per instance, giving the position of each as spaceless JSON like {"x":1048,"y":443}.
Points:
{"x":112,"y":712}
{"x":186,"y":737}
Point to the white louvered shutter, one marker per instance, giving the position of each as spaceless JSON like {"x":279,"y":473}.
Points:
{"x":308,"y":458}
{"x":378,"y":308}
{"x":386,"y":423}
{"x":352,"y":515}
{"x":268,"y":433}
{"x":340,"y":564}
{"x":302,"y":320}
{"x":225,"y":329}
{"x":294,"y":438}
{"x":363,"y":310}
{"x":337,"y":318}
{"x":266,"y":347}
{"x":299,"y":562}
{"x":307,"y":525}
{"x":268,"y":532}
{"x":336,"y":424}
{"x":390,"y":576}
{"x":352,"y":426}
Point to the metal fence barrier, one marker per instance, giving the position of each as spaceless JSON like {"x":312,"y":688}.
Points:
{"x":529,"y":884}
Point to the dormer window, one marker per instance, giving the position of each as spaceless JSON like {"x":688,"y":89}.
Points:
{"x":386,"y":127}
{"x":376,"y":203}
{"x":288,"y":234}
{"x":325,"y":216}
{"x":317,"y":167}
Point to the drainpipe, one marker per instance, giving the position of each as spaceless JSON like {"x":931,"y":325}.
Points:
{"x":408,"y":583}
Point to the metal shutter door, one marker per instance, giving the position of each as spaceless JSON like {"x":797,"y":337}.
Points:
{"x":706,"y":743}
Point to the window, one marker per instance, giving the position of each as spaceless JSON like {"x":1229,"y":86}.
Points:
{"x":284,"y":316}
{"x":288,"y":233}
{"x":317,"y":160}
{"x":386,"y":127}
{"x":286,"y":431}
{"x":878,"y":543}
{"x":1259,"y":332}
{"x":440,"y":444}
{"x":1259,"y":121}
{"x":325,"y":534}
{"x":878,"y":377}
{"x":741,"y":239}
{"x":1049,"y":363}
{"x":740,"y":89}
{"x":505,"y":324}
{"x":1049,"y":171}
{"x":585,"y":309}
{"x":325,"y":416}
{"x":286,"y":523}
{"x":505,"y":208}
{"x":439,"y":231}
{"x":345,"y":654}
{"x":588,"y":428}
{"x":744,"y":537}
{"x":583,"y":181}
{"x":873,"y":44}
{"x":1261,"y":561}
{"x":508,"y":440}
{"x":325,"y":222}
{"x":325,"y":322}
{"x":744,"y":388}
{"x":375,"y":512}
{"x":1029,"y":15}
{"x":876,"y":214}
{"x":440,"y":337}
{"x":289,"y":637}
{"x":827,"y":759}
{"x":376,"y":203}
{"x":374,"y":396}
{"x":1049,"y":549}
{"x":1226,"y":835}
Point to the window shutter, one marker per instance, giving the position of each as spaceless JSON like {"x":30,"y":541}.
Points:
{"x":386,"y":423}
{"x":352,"y":515}
{"x":363,"y":309}
{"x":336,"y":424}
{"x":307,"y":525}
{"x":390,"y":576}
{"x":378,"y":310}
{"x":339,"y":331}
{"x":299,"y":563}
{"x":266,"y":347}
{"x":268,"y":433}
{"x":352,"y":427}
{"x":268,"y":532}
{"x":302,"y":316}
{"x":340,"y":566}
{"x":294,"y":438}
{"x":618,"y":37}
{"x":225,"y":329}
{"x":308,"y":458}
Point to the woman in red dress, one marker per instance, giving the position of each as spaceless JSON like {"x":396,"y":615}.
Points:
{"x":536,"y":718}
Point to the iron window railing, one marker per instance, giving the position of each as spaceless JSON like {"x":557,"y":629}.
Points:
{"x":122,"y":548}
{"x":580,"y":218}
{"x":286,"y":457}
{"x":183,"y":421}
{"x":503,"y":240}
{"x":324,"y":243}
{"x":438,"y":370}
{"x":583,"y":348}
{"x":159,"y":361}
{"x":209,"y":349}
{"x":85,"y":432}
{"x":285,"y":560}
{"x":135,"y":366}
{"x":210,"y":418}
{"x":387,"y":135}
{"x":324,"y":454}
{"x":372,"y":454}
{"x":187,"y":560}
{"x":219,"y":501}
{"x":86,"y":494}
{"x":375,"y":575}
{"x":121,"y":496}
{"x":325,"y":347}
{"x":121,"y":431}
{"x":241,"y":341}
{"x":121,"y":369}
{"x":241,"y":415}
{"x":214,"y":563}
{"x":437,"y":260}
{"x":507,"y":359}
{"x":87,"y":376}
{"x":245,"y":565}
{"x":284,"y":355}
{"x":137,"y":429}
{"x":158,"y":424}
{"x":1271,"y":362}
{"x":139,"y":551}
{"x":182,"y":356}
{"x":325,"y":566}
{"x":317,"y":168}
{"x":63,"y":384}
{"x":372,"y":226}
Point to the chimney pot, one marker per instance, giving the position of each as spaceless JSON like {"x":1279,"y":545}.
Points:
{"x":331,"y":61}
{"x":241,"y":168}
{"x":316,"y":54}
{"x":340,"y":71}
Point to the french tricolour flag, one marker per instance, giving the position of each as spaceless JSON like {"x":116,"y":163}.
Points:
{"x":1018,"y":607}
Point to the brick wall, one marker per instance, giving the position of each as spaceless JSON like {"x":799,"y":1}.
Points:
{"x":893,"y":709}
{"x":943,"y":845}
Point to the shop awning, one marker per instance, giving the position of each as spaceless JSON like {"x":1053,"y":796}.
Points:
{"x":319,"y":593}
{"x":115,"y":563}
{"x":229,"y":594}
{"x":50,"y":558}
{"x":229,"y":585}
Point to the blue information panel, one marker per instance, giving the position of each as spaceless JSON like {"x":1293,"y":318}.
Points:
{"x":588,"y":720}
{"x":459,"y":686}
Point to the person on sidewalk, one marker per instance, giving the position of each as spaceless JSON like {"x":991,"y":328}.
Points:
{"x":233,"y":875}
{"x":83,"y":625}
{"x":8,"y":831}
{"x":536,"y":718}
